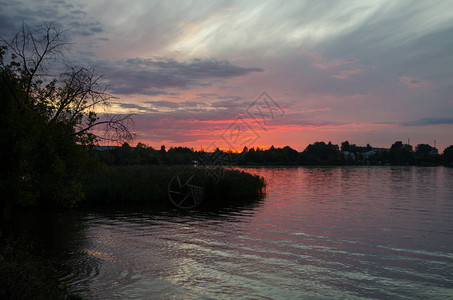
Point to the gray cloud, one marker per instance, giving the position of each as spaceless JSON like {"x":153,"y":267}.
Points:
{"x":234,"y":103}
{"x":64,"y":14}
{"x":78,"y":11}
{"x":198,"y":68}
{"x":208,"y":95}
{"x":96,"y":29}
{"x":429,"y":121}
{"x":371,"y":61}
{"x":131,"y":105}
{"x":224,"y":101}
{"x":152,"y":76}
{"x":403,"y":39}
{"x":175,"y":105}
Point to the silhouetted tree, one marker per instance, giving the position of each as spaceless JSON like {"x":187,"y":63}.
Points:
{"x":345,"y":146}
{"x":426,"y":155}
{"x":423,"y":149}
{"x":140,"y":145}
{"x":401,"y":154}
{"x":448,"y":154}
{"x":291,"y":154}
{"x":322,"y":154}
{"x":44,"y":117}
{"x":71,"y":98}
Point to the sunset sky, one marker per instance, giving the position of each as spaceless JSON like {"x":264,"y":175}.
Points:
{"x":193,"y":72}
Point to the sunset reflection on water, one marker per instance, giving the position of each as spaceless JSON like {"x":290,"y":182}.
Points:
{"x":345,"y":232}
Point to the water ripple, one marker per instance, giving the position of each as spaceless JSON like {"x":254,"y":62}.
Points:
{"x":348,"y":233}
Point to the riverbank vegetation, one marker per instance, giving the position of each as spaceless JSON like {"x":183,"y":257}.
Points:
{"x":150,"y":186}
{"x":316,"y":154}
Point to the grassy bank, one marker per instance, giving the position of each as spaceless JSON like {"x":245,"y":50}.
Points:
{"x":149,"y":185}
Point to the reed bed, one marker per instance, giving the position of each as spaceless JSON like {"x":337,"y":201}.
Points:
{"x":149,"y":185}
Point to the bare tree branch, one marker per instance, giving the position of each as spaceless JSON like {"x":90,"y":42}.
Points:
{"x":115,"y":127}
{"x":74,"y":97}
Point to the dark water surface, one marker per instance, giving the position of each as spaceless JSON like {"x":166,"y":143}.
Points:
{"x":320,"y":233}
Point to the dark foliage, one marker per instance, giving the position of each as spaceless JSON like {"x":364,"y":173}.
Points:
{"x":448,"y":155}
{"x":318,"y":153}
{"x":45,"y":119}
{"x":148,"y":185}
{"x":321,"y":153}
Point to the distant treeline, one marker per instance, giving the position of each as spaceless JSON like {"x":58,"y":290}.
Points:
{"x":316,"y":154}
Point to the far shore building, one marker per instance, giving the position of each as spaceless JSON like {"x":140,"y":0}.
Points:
{"x":365,"y":156}
{"x":434,"y":151}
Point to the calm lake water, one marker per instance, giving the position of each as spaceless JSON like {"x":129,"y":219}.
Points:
{"x":319,"y":233}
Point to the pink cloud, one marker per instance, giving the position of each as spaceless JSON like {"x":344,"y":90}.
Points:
{"x":412,"y":82}
{"x":321,"y":63}
{"x":315,"y":110}
{"x":348,"y":73}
